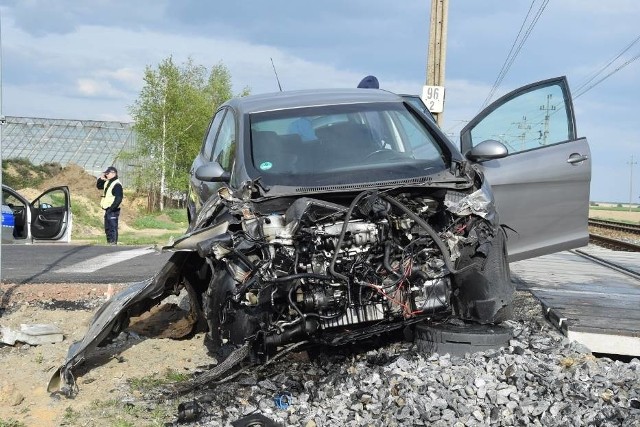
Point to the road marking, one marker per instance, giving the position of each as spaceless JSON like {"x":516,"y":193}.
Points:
{"x":96,"y":263}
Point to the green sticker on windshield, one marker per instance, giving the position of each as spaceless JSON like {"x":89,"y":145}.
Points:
{"x":266,"y":166}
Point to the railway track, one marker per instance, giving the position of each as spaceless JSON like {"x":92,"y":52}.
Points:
{"x":615,"y":244}
{"x":614,"y":225}
{"x":615,"y":235}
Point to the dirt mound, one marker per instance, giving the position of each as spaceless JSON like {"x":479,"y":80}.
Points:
{"x":80,"y":183}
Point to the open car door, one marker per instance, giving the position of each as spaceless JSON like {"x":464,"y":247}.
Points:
{"x":541,"y":187}
{"x":16,"y":216}
{"x":51,"y":215}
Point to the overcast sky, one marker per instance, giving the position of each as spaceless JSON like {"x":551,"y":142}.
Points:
{"x":84,"y":59}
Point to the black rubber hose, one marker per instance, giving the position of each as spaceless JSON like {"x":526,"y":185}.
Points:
{"x":347,"y":217}
{"x":386,"y":263}
{"x":430,"y":231}
{"x":244,"y":259}
{"x":300,"y":276}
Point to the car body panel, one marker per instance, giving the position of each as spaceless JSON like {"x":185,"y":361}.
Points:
{"x":47,"y":218}
{"x":541,"y":188}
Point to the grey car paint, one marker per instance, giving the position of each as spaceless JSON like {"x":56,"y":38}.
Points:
{"x":541,"y":192}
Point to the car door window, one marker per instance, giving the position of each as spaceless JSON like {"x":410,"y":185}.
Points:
{"x":534,"y":119}
{"x":207,"y":147}
{"x":225,"y":147}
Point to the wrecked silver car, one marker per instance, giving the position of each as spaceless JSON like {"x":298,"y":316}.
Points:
{"x":334,"y":216}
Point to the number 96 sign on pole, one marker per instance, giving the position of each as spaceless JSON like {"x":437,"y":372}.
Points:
{"x":433,"y":98}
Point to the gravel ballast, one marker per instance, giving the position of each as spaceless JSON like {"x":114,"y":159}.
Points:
{"x":539,"y":379}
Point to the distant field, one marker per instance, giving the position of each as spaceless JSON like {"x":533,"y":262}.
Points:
{"x":615,"y":213}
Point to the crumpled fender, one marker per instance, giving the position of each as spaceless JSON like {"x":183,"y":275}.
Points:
{"x":114,"y":316}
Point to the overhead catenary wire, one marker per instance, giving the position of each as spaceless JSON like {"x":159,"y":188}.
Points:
{"x":515,"y":48}
{"x":586,"y":87}
{"x":597,"y":73}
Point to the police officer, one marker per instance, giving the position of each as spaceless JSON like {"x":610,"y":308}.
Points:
{"x":110,"y":202}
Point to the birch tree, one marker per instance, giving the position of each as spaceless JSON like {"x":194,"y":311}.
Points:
{"x":170,"y":116}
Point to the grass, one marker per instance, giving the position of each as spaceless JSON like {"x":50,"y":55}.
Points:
{"x":130,"y":239}
{"x":615,"y":208}
{"x":81,"y":215}
{"x":169,"y":219}
{"x":151,"y":382}
{"x":70,"y":416}
{"x":177,"y":215}
{"x":114,"y":413}
{"x":154,"y":222}
{"x":173,"y":221}
{"x":25,"y":174}
{"x":11,"y":423}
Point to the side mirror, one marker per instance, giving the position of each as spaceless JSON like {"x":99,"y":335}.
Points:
{"x":212,"y":172}
{"x":487,"y":150}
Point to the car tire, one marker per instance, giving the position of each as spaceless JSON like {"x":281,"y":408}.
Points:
{"x":229,"y":324}
{"x":212,"y":304}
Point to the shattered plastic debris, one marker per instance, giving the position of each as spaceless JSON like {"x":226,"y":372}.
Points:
{"x":477,"y":203}
{"x":282,"y":400}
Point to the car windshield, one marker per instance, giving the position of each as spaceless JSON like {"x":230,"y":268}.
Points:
{"x":343,"y":144}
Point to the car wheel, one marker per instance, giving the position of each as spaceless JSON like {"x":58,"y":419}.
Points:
{"x":219,"y":289}
{"x":229,"y":323}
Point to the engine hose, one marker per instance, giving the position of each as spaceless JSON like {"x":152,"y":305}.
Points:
{"x":244,"y":259}
{"x":430,"y":231}
{"x":386,"y":263}
{"x":343,"y":232}
{"x":246,"y":285}
{"x":300,"y":276}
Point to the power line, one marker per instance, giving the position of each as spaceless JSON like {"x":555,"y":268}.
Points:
{"x":629,"y":46}
{"x":504,"y":64}
{"x":511,"y":56}
{"x":580,"y":93}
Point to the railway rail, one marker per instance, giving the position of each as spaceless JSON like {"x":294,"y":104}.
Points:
{"x":615,"y":235}
{"x":615,"y":244}
{"x":615,"y":225}
{"x":607,"y":263}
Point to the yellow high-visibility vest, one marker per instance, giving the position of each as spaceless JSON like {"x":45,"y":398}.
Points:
{"x":107,"y":196}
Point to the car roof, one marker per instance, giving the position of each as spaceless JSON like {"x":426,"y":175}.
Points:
{"x":309,"y":98}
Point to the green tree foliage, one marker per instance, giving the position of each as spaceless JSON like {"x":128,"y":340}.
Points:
{"x":171,"y":116}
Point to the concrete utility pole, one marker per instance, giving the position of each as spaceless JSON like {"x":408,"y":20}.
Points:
{"x":433,"y":93}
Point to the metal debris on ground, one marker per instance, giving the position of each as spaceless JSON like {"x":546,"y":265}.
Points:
{"x":36,"y":334}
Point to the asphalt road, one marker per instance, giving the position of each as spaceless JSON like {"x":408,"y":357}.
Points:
{"x":62,"y":263}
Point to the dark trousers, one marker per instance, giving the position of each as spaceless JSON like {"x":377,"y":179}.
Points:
{"x":111,"y":225}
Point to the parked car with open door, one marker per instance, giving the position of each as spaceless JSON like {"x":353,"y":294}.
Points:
{"x":47,"y":218}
